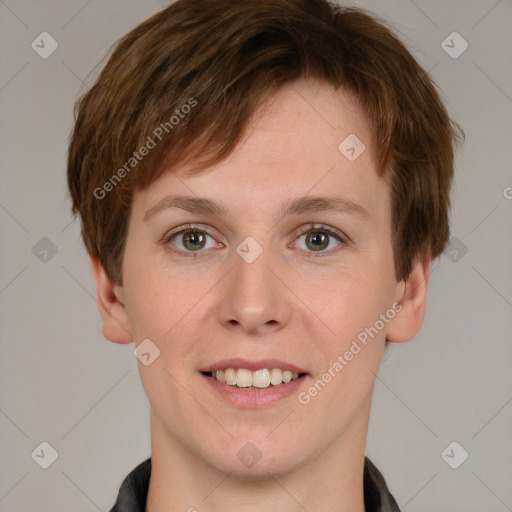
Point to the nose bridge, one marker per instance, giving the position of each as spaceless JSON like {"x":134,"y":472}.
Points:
{"x":254,"y":296}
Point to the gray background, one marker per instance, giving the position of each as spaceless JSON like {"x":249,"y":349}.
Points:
{"x":63,"y":383}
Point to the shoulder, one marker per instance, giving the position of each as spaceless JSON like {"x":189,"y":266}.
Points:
{"x":377,"y":497}
{"x":134,"y":489}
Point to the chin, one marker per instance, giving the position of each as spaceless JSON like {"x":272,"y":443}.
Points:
{"x":248,"y":458}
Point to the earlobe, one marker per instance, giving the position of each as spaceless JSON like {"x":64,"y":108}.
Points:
{"x":412,"y":296}
{"x":116,"y":325}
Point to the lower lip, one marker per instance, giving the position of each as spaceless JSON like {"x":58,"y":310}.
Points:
{"x":254,"y":398}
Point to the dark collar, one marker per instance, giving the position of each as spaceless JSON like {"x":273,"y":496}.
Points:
{"x":134,"y":490}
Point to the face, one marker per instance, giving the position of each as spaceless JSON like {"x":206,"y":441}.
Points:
{"x":268,"y":285}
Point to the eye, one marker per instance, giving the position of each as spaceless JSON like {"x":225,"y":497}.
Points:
{"x":318,"y":237}
{"x":189,"y":239}
{"x":193,"y":239}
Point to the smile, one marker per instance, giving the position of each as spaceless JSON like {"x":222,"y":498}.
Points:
{"x":250,"y":396}
{"x":259,"y":379}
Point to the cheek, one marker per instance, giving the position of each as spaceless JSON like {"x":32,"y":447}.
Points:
{"x":351,"y":306}
{"x":165,"y":306}
{"x":351,"y":301}
{"x":157,"y":306}
{"x":154,"y":300}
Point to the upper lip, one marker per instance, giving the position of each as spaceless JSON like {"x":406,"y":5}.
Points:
{"x":239,"y":362}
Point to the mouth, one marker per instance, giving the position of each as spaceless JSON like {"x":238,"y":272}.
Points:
{"x":260,"y":379}
{"x":254,"y":384}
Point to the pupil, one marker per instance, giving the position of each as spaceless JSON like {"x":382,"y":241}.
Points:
{"x":317,"y":237}
{"x":196,"y":240}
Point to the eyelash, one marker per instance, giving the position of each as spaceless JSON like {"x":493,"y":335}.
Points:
{"x":343,"y":239}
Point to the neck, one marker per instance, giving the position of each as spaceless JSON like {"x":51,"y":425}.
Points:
{"x":182,"y":481}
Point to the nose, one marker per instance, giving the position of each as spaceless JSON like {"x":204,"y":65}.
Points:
{"x":255,"y":299}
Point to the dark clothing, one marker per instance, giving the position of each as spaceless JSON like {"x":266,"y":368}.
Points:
{"x":134,"y":490}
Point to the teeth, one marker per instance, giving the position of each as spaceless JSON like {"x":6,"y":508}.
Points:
{"x":243,"y":378}
{"x":260,"y":378}
{"x":230,"y":376}
{"x":276,"y":376}
{"x":263,"y":378}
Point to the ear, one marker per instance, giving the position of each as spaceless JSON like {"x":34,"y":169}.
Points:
{"x":116,"y":326}
{"x":412,"y":295}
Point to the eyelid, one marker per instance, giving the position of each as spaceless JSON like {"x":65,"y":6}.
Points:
{"x":190,"y":227}
{"x":312,"y":226}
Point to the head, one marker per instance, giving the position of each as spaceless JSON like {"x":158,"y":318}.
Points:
{"x":248,"y":104}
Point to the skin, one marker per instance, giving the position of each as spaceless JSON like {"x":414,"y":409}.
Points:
{"x":284,"y":305}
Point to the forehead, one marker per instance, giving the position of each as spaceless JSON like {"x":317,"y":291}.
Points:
{"x":307,"y":139}
{"x":306,"y":121}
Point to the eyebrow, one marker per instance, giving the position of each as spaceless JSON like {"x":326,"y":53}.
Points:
{"x":296,"y":206}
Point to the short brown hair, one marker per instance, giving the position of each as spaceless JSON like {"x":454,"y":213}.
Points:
{"x":223,"y":58}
